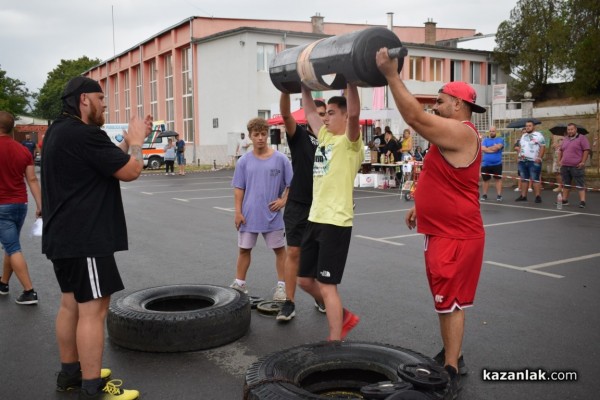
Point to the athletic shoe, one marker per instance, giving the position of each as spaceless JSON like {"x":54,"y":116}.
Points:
{"x":241,"y":288}
{"x":582,"y":204}
{"x":538,"y":199}
{"x":483,"y":197}
{"x":3,"y":288}
{"x":564,"y":203}
{"x":530,"y":190}
{"x":499,"y":198}
{"x":440,"y":358}
{"x":517,"y":189}
{"x":454,"y":385}
{"x":65,"y":382}
{"x":287,"y":312}
{"x":557,"y":189}
{"x":27,"y":298}
{"x":111,"y":391}
{"x":349,"y":322}
{"x":521,"y":198}
{"x":279,"y":294}
{"x":320,"y":307}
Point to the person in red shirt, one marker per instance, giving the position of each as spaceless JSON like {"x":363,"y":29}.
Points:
{"x":16,"y":162}
{"x":447,"y":205}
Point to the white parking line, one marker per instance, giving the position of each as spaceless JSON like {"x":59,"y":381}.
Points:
{"x":225,"y":209}
{"x":187,"y":183}
{"x":202,"y":198}
{"x":524,"y":269}
{"x":187,"y":190}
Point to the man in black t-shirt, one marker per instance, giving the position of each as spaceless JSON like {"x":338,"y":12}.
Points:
{"x":302,"y":144}
{"x":84,"y":225}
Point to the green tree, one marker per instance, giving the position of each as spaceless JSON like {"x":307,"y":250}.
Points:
{"x":531,"y":44}
{"x":583,"y":50}
{"x":13,"y":95}
{"x":48,"y":103}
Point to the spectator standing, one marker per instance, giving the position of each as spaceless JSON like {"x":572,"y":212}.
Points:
{"x":30,"y":144}
{"x":84,"y":225}
{"x":419,"y":153}
{"x":406,"y":144}
{"x":574,"y":152}
{"x":521,"y":181}
{"x":242,"y":146}
{"x":170,"y":154}
{"x":302,"y":143}
{"x":556,"y":143}
{"x":261,"y":182}
{"x":16,"y":163}
{"x":446,"y":205}
{"x":326,"y":241}
{"x":491,"y":163}
{"x":180,"y":146}
{"x":532,"y":147}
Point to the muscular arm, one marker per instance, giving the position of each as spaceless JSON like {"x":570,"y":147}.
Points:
{"x":353,"y":109}
{"x":286,"y":114}
{"x":34,"y":187}
{"x":310,"y":110}
{"x":448,"y":134}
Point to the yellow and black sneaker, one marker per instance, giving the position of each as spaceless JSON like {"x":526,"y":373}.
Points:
{"x":65,"y":382}
{"x":111,"y":391}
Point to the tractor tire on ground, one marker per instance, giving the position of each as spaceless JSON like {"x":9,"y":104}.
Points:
{"x":178,"y":318}
{"x":325,"y":370}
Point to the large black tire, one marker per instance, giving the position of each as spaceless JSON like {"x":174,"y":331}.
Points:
{"x":178,"y":318}
{"x":325,"y":370}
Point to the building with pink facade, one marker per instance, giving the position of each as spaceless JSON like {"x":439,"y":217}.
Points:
{"x":206,"y":77}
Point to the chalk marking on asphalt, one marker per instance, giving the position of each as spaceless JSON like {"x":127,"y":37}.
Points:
{"x":524,"y":269}
{"x":190,"y":190}
{"x":203,"y":198}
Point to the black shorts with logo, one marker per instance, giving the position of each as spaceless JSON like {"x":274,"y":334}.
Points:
{"x":324,"y":252}
{"x":88,"y":278}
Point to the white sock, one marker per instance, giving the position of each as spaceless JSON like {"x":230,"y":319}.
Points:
{"x":280,"y":283}
{"x":240,"y":282}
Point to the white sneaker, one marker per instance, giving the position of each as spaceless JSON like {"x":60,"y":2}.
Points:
{"x":241,"y":288}
{"x":530,"y":190}
{"x":517,"y":189}
{"x":279,"y":294}
{"x":557,"y":189}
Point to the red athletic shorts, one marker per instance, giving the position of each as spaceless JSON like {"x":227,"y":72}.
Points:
{"x":453,"y":267}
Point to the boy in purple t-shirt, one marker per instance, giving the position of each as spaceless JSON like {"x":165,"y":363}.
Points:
{"x":261,"y":182}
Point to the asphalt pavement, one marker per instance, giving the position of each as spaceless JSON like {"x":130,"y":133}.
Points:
{"x":536,"y":305}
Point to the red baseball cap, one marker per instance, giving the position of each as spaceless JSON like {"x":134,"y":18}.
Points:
{"x":463,"y":91}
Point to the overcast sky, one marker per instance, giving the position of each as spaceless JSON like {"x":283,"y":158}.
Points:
{"x":36,"y":34}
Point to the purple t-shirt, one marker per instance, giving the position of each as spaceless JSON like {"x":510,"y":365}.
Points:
{"x":572,"y":150}
{"x":263,"y":181}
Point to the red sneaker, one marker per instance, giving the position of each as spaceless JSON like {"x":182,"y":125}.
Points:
{"x":349,"y":322}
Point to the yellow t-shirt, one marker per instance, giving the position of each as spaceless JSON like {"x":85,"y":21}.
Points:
{"x":337,"y":161}
{"x":407,"y":145}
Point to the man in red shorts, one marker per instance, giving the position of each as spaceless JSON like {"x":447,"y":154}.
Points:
{"x":447,"y":204}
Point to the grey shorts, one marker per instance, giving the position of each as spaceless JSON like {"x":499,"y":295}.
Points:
{"x":573,"y":176}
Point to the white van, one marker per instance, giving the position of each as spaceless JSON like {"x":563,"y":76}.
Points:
{"x":153,"y":148}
